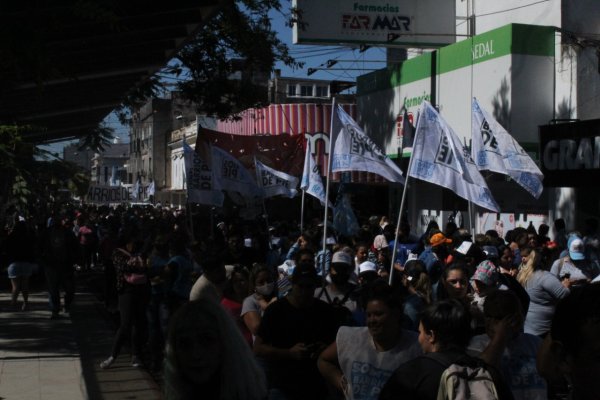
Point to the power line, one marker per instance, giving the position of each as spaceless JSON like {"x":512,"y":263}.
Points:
{"x":512,"y":9}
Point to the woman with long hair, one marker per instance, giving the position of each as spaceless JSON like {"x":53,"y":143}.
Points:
{"x":134,"y":293}
{"x":206,"y":356}
{"x":544,"y":290}
{"x":454,"y":283}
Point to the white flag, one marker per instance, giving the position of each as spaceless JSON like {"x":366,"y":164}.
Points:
{"x":311,"y":179}
{"x":355,"y":151}
{"x":135,"y":191}
{"x":275,"y":183}
{"x":494,"y":149}
{"x":151,"y":189}
{"x":439,"y":158}
{"x":232,"y":175}
{"x":202,"y":185}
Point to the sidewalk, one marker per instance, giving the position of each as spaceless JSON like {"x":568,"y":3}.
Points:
{"x":49,"y":359}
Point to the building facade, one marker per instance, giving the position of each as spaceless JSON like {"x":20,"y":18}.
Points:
{"x":150,"y":130}
{"x":528,"y":65}
{"x":109,"y":168}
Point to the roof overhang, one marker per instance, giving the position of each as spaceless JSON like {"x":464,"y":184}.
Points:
{"x":89,"y":63}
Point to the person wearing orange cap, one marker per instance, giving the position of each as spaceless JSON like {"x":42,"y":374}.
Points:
{"x":434,"y":256}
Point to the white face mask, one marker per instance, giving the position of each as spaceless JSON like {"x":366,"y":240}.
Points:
{"x":265,"y":289}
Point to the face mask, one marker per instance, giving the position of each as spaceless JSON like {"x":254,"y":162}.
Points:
{"x":339,"y":279}
{"x":307,"y":263}
{"x":265,"y":289}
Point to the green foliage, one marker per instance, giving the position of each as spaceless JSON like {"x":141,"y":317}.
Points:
{"x":239,"y":38}
{"x":26,"y":175}
{"x":97,"y":139}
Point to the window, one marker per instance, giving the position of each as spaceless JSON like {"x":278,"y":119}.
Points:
{"x":322,"y":91}
{"x":306,"y":90}
{"x":291,"y":90}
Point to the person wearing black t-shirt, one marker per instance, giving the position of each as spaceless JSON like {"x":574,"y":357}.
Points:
{"x":292,"y":334}
{"x":444,"y":332}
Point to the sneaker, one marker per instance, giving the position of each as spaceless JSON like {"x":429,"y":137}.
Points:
{"x":136,"y":362}
{"x":107,"y":363}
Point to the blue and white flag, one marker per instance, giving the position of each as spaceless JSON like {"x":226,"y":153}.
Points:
{"x":312,"y":183}
{"x":202,"y":185}
{"x":439,"y":158}
{"x":275,"y":183}
{"x":355,"y":151}
{"x":344,"y":219}
{"x":232,"y":175}
{"x":151,"y":189}
{"x":494,"y":149}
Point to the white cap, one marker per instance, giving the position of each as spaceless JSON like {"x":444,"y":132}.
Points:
{"x":341,"y":257}
{"x":367,"y":266}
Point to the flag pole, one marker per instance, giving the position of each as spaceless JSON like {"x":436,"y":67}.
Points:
{"x":187,"y":201}
{"x":302,"y":212}
{"x":402,"y":202}
{"x":264,"y":206}
{"x":471,"y":222}
{"x":303,"y":190}
{"x":329,"y":160}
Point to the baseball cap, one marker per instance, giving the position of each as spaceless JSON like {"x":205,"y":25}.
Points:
{"x":575,"y":246}
{"x":414,"y":268}
{"x":490,"y":251}
{"x":367,"y":266}
{"x":438,"y":239}
{"x":341,"y":257}
{"x":380,"y":242}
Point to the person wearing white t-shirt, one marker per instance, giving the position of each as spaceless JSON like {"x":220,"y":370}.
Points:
{"x":362,"y":359}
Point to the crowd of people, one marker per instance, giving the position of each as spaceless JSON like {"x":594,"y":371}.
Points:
{"x":244,"y":310}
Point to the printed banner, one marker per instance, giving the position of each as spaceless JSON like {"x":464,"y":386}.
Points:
{"x":100,"y":194}
{"x":232,"y":175}
{"x":275,"y":183}
{"x":202,"y":187}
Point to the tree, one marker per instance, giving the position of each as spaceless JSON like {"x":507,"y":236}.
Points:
{"x":14,"y":157}
{"x":28,"y":175}
{"x":238,"y":39}
{"x":98,"y":139}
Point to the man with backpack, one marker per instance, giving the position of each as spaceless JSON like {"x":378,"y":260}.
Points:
{"x":445,"y":371}
{"x":338,"y":290}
